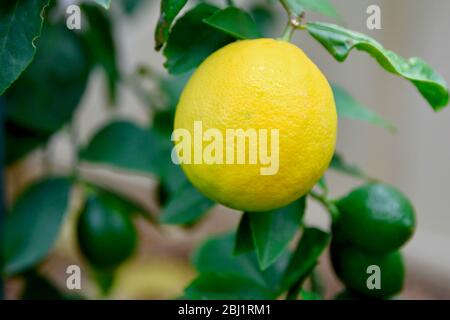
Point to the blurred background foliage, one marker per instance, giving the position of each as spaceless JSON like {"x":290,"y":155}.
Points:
{"x":65,"y":211}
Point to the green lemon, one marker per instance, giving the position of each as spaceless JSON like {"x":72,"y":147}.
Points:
{"x":106,"y":233}
{"x":360,"y":271}
{"x":375,"y":218}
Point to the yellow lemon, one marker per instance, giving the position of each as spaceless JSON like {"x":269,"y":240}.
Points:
{"x":255,"y":126}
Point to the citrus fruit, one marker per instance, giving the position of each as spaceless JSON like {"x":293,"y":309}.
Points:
{"x":106,"y":234}
{"x":263,"y":86}
{"x":351,"y":266}
{"x":375,"y":218}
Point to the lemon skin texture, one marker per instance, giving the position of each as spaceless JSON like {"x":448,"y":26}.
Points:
{"x":261,"y":84}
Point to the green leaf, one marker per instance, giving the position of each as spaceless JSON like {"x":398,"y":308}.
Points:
{"x":39,"y":288}
{"x":34,"y":222}
{"x":310,"y":295}
{"x":119,"y":201}
{"x":20,"y":26}
{"x":101,"y":46}
{"x":320,"y":6}
{"x":61,"y":62}
{"x":223,"y":286}
{"x":264,"y":19}
{"x":338,"y":163}
{"x":340,"y":41}
{"x":191,"y":40}
{"x":124,"y":145}
{"x":214,"y":261}
{"x":185,"y":206}
{"x":273,"y":230}
{"x":305,"y":256}
{"x":243,"y":242}
{"x":168,"y":12}
{"x":348,"y":107}
{"x":104,"y":3}
{"x":20,"y":141}
{"x":234,"y":22}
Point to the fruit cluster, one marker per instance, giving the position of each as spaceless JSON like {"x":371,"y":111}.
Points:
{"x":374,"y":222}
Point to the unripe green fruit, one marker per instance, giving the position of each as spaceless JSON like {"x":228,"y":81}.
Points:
{"x":375,"y":218}
{"x":106,"y":234}
{"x":356,"y":270}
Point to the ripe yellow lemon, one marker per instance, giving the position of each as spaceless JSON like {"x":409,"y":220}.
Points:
{"x":269,"y":93}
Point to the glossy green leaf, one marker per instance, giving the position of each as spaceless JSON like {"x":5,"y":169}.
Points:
{"x":340,"y":41}
{"x":214,"y":260}
{"x":312,"y":243}
{"x":61,"y":62}
{"x":34,"y":222}
{"x":20,"y":26}
{"x":348,"y":107}
{"x":124,"y":145}
{"x":243,"y":242}
{"x":234,"y":22}
{"x":185,"y":206}
{"x":272,"y":231}
{"x":338,"y":163}
{"x":101,"y":46}
{"x":191,"y":40}
{"x":320,"y":6}
{"x":168,"y":12}
{"x":104,"y":3}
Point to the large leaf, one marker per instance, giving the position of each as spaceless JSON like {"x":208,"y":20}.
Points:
{"x":101,"y":46}
{"x":124,"y":145}
{"x":214,"y":261}
{"x":273,"y":230}
{"x":338,"y":163}
{"x":33,"y":224}
{"x":305,"y":257}
{"x":235,"y":22}
{"x":185,"y":206}
{"x":348,"y":107}
{"x":191,"y":40}
{"x":340,"y":41}
{"x":20,"y":141}
{"x":20,"y":26}
{"x":104,"y":3}
{"x":168,"y":12}
{"x":61,"y":63}
{"x":320,"y":6}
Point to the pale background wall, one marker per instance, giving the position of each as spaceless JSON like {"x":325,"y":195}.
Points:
{"x":416,"y":159}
